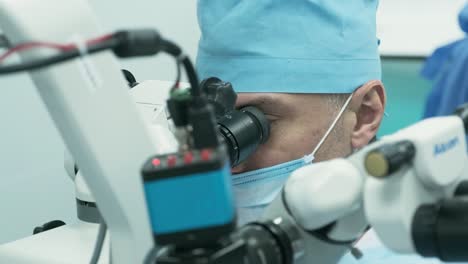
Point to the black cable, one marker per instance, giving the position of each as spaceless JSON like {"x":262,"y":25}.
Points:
{"x":177,"y":80}
{"x":124,"y":44}
{"x":59,"y":58}
{"x":99,"y":243}
{"x":192,"y":76}
{"x":171,"y":48}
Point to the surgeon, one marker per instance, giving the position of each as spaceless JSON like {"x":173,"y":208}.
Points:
{"x":312,"y":66}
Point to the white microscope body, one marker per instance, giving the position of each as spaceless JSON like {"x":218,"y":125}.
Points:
{"x":109,"y":143}
{"x":150,"y":98}
{"x":439,"y":165}
{"x":426,"y":163}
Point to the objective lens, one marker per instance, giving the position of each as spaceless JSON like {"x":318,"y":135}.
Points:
{"x":272,"y":242}
{"x":262,"y":245}
{"x":441,"y":230}
{"x":243,"y":131}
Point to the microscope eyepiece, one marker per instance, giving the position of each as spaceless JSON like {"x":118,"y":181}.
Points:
{"x":389,"y":158}
{"x":243,"y":130}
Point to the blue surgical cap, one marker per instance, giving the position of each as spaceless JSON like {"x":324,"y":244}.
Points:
{"x":290,"y":46}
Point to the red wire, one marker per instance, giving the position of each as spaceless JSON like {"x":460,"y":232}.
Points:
{"x":60,"y":47}
{"x":30,"y":45}
{"x":99,"y":39}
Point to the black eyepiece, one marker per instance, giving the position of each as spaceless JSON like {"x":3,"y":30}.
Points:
{"x":389,"y":158}
{"x":241,"y":130}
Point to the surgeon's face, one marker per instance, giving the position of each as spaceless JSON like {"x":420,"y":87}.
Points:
{"x":299,"y":121}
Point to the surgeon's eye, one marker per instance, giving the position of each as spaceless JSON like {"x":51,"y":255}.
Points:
{"x":270,"y":105}
{"x":271,"y":118}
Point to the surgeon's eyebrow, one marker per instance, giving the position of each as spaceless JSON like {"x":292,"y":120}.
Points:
{"x":255,"y":100}
{"x":270,"y":104}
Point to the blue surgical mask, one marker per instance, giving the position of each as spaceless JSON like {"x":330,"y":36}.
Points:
{"x":255,"y":190}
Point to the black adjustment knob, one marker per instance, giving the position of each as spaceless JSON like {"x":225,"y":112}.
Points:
{"x":48,"y":226}
{"x":131,"y":80}
{"x":462,"y":112}
{"x":389,"y":158}
{"x":220,"y":94}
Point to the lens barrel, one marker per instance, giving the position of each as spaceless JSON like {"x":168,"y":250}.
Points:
{"x":243,"y":131}
{"x":441,"y":230}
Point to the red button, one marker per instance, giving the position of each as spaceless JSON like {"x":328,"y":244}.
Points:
{"x":156,"y":162}
{"x":171,"y":161}
{"x":205,"y":154}
{"x":188,"y":157}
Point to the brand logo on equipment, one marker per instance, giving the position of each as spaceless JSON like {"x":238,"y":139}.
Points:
{"x":444,"y":147}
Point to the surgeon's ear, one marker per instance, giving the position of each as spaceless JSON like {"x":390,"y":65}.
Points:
{"x":368,"y":104}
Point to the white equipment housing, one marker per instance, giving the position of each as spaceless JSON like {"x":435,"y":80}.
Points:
{"x":342,"y":192}
{"x":439,"y":165}
{"x":110,"y":143}
{"x":50,"y":247}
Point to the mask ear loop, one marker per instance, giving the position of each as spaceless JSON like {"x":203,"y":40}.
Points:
{"x":309,"y":158}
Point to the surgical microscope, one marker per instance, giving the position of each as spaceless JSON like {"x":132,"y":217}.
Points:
{"x":177,"y":206}
{"x":411,"y":187}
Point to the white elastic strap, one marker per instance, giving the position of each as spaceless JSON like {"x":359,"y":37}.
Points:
{"x":87,"y":67}
{"x":309,"y":158}
{"x":80,"y":46}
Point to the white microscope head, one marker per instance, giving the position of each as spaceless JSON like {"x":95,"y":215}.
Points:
{"x":437,"y":164}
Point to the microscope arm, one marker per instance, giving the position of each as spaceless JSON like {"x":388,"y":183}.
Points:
{"x":106,"y":137}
